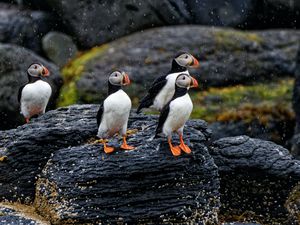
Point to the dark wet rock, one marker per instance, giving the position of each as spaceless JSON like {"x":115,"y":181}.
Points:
{"x":59,"y":47}
{"x":103,"y":21}
{"x":28,"y":147}
{"x":249,"y":14}
{"x":226,"y":57}
{"x":24,"y":27}
{"x":11,"y":216}
{"x":14,"y":62}
{"x":180,"y":185}
{"x":107,"y":20}
{"x":296,"y":103}
{"x":256,"y":176}
{"x":146,"y":185}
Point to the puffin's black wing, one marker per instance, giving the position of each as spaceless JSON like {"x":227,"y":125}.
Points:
{"x":20,"y":93}
{"x":158,"y":80}
{"x":153,"y":91}
{"x":99,"y":114}
{"x":162,"y":119}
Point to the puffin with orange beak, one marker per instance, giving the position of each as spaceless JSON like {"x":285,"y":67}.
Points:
{"x":163,"y":88}
{"x":34,"y":96}
{"x":113,"y":114}
{"x":175,"y":114}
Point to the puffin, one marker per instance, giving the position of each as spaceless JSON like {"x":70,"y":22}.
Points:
{"x":177,"y":111}
{"x":35,"y":94}
{"x":162,"y":89}
{"x":113,"y":113}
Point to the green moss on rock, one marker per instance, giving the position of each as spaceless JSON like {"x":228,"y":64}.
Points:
{"x":230,"y":39}
{"x":72,"y":73}
{"x":244,"y":102}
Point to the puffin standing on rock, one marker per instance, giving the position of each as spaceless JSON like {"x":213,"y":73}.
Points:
{"x":34,"y":96}
{"x":162,"y":89}
{"x":175,"y":114}
{"x":113,"y":114}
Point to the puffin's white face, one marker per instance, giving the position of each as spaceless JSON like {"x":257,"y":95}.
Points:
{"x":119,"y":78}
{"x":186,"y":81}
{"x":36,"y":70}
{"x":187,"y":60}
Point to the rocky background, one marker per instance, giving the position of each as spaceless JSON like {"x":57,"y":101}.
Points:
{"x":250,"y":85}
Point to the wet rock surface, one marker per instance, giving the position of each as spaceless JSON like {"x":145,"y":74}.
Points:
{"x":55,"y":162}
{"x":256,"y":176}
{"x":28,"y":147}
{"x":14,"y":62}
{"x":142,"y":15}
{"x":147,"y":185}
{"x":23,"y":26}
{"x":226,"y":57}
{"x":131,"y":16}
{"x":84,"y":15}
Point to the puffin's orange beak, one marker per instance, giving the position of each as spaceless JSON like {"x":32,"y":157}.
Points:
{"x":45,"y":72}
{"x":195,"y":63}
{"x":126,"y":80}
{"x":194,"y":83}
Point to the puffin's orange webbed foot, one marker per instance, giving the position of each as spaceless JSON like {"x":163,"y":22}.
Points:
{"x":184,"y":147}
{"x":108,"y":149}
{"x":174,"y":149}
{"x":27,"y":120}
{"x":124,"y":146}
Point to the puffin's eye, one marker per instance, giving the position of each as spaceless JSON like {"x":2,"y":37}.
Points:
{"x":116,"y":75}
{"x":35,"y":67}
{"x":186,"y":56}
{"x":183,"y":78}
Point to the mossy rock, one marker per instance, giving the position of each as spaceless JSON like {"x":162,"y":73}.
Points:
{"x":226,"y":57}
{"x":72,"y":72}
{"x":229,"y":103}
{"x":262,"y":110}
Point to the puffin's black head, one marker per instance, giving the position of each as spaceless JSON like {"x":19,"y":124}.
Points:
{"x":186,"y":60}
{"x":37,"y":70}
{"x":186,"y":81}
{"x":119,"y":78}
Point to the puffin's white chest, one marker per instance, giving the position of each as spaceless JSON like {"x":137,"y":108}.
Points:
{"x":115,"y":114}
{"x":180,"y":111}
{"x":167,"y":92}
{"x":35,"y":97}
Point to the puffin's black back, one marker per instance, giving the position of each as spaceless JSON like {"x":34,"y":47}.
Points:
{"x":158,"y":84}
{"x":155,"y":88}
